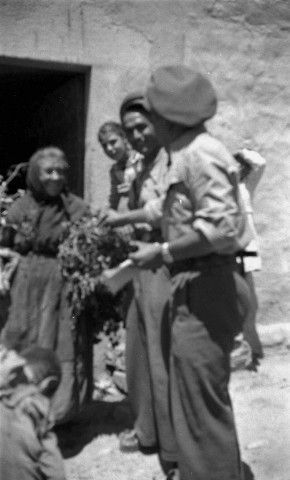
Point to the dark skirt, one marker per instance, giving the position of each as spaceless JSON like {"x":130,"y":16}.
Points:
{"x":40,"y":314}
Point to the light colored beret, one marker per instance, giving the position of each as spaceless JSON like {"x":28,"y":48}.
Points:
{"x":181,"y":95}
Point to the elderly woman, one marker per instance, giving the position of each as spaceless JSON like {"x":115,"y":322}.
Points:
{"x":39,"y":311}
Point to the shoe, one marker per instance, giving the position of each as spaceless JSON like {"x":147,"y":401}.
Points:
{"x":129,"y":443}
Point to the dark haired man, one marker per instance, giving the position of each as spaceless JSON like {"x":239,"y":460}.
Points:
{"x":147,"y":342}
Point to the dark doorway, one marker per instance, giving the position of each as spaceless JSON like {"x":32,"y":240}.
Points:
{"x":42,"y":104}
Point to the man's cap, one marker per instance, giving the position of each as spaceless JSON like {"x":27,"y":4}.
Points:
{"x":181,"y":95}
{"x":134,"y":99}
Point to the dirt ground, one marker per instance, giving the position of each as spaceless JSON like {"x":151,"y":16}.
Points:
{"x":262,"y":407}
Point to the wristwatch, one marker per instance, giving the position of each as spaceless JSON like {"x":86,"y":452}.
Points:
{"x":165,"y":252}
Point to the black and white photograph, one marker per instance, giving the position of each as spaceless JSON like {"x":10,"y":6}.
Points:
{"x":144,"y":240}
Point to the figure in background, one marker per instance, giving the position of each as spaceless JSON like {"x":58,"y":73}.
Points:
{"x":28,"y":447}
{"x":147,"y":322}
{"x":126,"y":163}
{"x":252,"y":166}
{"x":204,"y":225}
{"x":39,"y":312}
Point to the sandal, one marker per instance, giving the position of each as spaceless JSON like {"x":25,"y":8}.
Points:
{"x":129,"y":443}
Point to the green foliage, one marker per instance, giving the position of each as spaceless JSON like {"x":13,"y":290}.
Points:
{"x":87,"y":250}
{"x":6,"y":202}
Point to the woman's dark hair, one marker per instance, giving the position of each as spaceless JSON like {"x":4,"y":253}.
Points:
{"x":110,"y":127}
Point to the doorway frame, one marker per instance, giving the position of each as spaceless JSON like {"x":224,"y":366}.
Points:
{"x":58,"y":66}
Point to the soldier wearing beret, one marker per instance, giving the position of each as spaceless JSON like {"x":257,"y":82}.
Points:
{"x":204,"y":226}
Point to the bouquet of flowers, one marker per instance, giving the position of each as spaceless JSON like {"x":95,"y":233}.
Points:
{"x":89,"y":249}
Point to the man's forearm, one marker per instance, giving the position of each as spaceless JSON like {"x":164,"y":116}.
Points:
{"x":190,"y":245}
{"x":131,"y":217}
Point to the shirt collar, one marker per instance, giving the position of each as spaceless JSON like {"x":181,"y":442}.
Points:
{"x":185,"y":139}
{"x":154,"y":168}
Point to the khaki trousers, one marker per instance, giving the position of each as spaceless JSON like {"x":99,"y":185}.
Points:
{"x":147,"y":361}
{"x":208,"y":311}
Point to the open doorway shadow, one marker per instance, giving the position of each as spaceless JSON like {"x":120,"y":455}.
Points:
{"x":42,"y":104}
{"x":247,"y":472}
{"x":96,"y":419}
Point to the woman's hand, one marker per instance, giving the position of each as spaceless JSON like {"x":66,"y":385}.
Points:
{"x":10,"y":364}
{"x":111,"y":219}
{"x":123,"y":188}
{"x":148,"y":256}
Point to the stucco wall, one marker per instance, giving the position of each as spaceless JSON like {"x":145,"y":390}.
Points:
{"x":242,"y":45}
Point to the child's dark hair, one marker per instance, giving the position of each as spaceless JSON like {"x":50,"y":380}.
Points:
{"x":111,"y":127}
{"x":44,"y":363}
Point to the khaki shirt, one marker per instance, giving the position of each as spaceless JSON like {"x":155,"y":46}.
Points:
{"x":203,"y":194}
{"x":149,"y":188}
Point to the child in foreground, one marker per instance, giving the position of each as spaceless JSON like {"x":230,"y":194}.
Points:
{"x":28,"y":447}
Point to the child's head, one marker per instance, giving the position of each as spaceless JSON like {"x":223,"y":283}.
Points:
{"x":42,"y":368}
{"x":113,"y":140}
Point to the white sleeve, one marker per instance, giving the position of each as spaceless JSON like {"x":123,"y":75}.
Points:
{"x":257,"y":164}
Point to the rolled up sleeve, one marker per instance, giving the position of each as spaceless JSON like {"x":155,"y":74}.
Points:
{"x":212,"y":184}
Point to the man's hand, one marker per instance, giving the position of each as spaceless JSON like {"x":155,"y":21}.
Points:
{"x":148,"y":256}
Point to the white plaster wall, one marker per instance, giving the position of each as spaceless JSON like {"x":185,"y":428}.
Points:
{"x":243,"y":45}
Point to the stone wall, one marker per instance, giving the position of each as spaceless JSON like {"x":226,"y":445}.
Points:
{"x":243,"y":45}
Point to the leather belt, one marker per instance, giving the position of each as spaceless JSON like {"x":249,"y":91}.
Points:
{"x":202,"y":263}
{"x":245,"y":253}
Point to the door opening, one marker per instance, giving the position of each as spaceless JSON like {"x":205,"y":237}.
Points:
{"x":42,"y":104}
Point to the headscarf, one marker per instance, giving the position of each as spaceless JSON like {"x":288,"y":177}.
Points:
{"x":45,"y":214}
{"x":33,"y":173}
